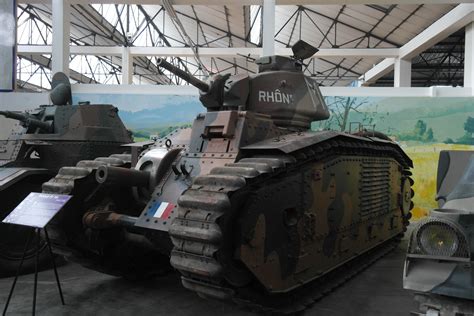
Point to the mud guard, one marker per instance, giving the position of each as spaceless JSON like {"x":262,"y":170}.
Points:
{"x":300,"y":140}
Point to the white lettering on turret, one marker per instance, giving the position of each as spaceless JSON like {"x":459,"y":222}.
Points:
{"x":275,"y":96}
{"x":270,"y":96}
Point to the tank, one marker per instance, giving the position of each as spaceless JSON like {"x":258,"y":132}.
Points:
{"x":438,"y":265}
{"x":35,"y":144}
{"x":249,"y":205}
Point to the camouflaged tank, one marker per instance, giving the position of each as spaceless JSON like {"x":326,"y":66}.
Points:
{"x":35,"y":144}
{"x":249,"y":204}
{"x":441,"y":247}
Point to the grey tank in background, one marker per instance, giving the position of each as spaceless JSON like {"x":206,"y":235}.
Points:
{"x":35,"y":144}
{"x":439,"y":263}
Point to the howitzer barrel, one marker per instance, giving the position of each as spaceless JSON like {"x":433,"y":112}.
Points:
{"x":104,"y":220}
{"x":201,"y":85}
{"x":27,"y":120}
{"x":122,"y":176}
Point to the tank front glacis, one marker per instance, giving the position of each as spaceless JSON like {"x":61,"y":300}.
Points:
{"x":247,"y":203}
{"x":440,"y":250}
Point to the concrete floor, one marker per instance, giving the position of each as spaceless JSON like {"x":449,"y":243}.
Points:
{"x":376,"y":291}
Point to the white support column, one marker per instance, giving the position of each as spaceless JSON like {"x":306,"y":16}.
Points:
{"x":402,"y":73}
{"x":268,"y":27}
{"x":60,"y":51}
{"x":469,"y":56}
{"x":127,"y":66}
{"x":452,"y":21}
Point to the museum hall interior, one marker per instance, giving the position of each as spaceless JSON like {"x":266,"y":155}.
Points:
{"x":218,"y":157}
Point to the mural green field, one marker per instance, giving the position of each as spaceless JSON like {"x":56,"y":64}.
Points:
{"x":425,"y":160}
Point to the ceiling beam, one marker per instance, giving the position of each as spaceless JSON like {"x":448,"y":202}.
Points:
{"x":252,"y":2}
{"x":207,"y":51}
{"x":451,"y":22}
{"x":46,"y":63}
{"x":106,"y":32}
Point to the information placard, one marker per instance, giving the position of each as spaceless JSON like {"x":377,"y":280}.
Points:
{"x":37,"y":209}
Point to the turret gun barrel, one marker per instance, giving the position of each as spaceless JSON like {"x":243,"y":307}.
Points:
{"x":27,"y":120}
{"x":201,"y":85}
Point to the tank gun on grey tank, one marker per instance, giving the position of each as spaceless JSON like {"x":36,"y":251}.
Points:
{"x":250,"y":204}
{"x":301,"y":51}
{"x":34,"y":144}
{"x":211,"y":95}
{"x":279,"y":83}
{"x":60,"y":95}
{"x":29,"y":121}
{"x":201,"y":85}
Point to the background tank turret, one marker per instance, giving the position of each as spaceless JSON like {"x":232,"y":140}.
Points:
{"x":249,"y":204}
{"x":35,"y":144}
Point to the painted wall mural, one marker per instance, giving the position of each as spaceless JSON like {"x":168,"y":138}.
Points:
{"x":422,"y":126}
{"x":146,"y":114}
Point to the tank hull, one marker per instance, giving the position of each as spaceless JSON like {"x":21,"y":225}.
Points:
{"x":265,"y":213}
{"x":249,"y":205}
{"x":293,"y":221}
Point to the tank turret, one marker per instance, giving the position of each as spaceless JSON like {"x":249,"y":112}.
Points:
{"x":60,"y":134}
{"x":279,"y":89}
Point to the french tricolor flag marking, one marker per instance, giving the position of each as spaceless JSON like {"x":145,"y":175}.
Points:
{"x":163,"y":210}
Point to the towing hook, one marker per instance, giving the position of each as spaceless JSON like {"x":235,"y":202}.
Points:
{"x":181,"y":170}
{"x":184,"y":170}
{"x":175,"y":170}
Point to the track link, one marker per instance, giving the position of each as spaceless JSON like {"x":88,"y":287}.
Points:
{"x":64,"y":181}
{"x":198,"y":233}
{"x":77,"y":181}
{"x":439,"y":305}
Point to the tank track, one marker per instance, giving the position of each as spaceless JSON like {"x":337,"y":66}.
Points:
{"x":198,"y":233}
{"x":68,"y":180}
{"x":64,"y":181}
{"x":439,"y":305}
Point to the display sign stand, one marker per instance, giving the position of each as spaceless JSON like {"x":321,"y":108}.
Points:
{"x":36,"y":210}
